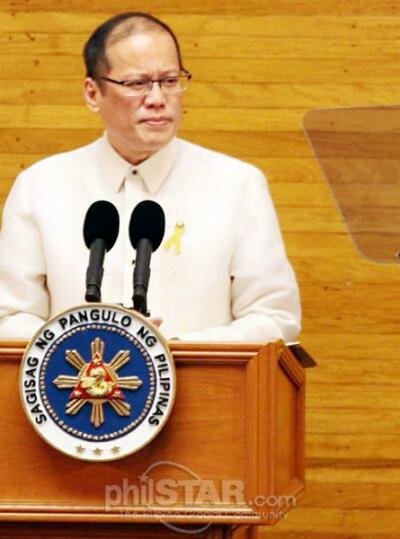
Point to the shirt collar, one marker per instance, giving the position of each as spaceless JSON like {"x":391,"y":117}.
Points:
{"x":153,"y":171}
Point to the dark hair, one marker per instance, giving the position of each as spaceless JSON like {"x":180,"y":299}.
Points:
{"x":94,"y":51}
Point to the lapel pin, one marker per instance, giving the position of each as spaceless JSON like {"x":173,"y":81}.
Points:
{"x":175,"y":240}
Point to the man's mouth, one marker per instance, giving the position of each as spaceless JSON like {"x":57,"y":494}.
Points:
{"x":156,"y":121}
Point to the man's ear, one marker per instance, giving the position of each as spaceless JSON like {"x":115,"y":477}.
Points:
{"x":92,"y":94}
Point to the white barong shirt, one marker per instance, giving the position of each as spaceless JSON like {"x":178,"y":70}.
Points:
{"x":230,"y":280}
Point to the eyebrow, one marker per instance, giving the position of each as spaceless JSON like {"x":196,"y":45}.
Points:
{"x":146,"y":75}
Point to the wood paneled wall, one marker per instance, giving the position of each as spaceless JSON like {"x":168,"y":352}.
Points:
{"x":258,"y":66}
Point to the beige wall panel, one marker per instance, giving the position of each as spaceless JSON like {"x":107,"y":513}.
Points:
{"x":215,"y":94}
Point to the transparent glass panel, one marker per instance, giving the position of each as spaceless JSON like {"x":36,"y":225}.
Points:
{"x":358,"y":150}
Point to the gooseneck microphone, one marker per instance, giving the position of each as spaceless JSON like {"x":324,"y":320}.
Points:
{"x":146,"y":231}
{"x":100,"y":232}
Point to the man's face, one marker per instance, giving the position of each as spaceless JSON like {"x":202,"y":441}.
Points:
{"x":138,"y":126}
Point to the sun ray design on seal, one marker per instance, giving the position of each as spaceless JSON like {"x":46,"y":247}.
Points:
{"x":97,"y":383}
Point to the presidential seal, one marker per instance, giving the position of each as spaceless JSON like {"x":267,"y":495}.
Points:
{"x":97,"y":382}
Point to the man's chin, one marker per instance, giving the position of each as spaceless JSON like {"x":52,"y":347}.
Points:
{"x":155,"y":143}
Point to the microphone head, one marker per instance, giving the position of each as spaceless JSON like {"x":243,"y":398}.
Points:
{"x":101,"y":222}
{"x":147,"y":222}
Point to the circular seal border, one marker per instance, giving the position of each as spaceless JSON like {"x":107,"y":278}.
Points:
{"x":107,"y":449}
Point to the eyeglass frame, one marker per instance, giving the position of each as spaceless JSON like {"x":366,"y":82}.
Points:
{"x":124,"y":83}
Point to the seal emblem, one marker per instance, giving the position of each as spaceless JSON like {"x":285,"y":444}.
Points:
{"x":97,"y":382}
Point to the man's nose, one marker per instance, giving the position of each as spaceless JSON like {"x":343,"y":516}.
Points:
{"x":155,"y":95}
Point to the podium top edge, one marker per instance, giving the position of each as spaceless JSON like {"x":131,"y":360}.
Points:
{"x":14,"y":349}
{"x":19,"y":346}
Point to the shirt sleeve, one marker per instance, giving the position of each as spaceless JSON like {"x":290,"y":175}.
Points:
{"x":264,"y":290}
{"x":24,"y":299}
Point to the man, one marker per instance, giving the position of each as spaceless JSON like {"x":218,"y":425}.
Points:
{"x":221,"y":274}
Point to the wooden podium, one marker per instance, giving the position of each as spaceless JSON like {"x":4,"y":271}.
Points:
{"x":230,"y":457}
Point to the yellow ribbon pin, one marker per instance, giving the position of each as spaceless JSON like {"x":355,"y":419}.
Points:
{"x":175,"y":239}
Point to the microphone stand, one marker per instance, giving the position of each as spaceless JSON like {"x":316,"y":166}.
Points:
{"x":141,"y":276}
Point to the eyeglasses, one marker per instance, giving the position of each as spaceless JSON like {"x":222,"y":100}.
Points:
{"x":172,"y":84}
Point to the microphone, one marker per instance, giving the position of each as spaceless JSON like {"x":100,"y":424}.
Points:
{"x":100,"y":232}
{"x":146,"y":231}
